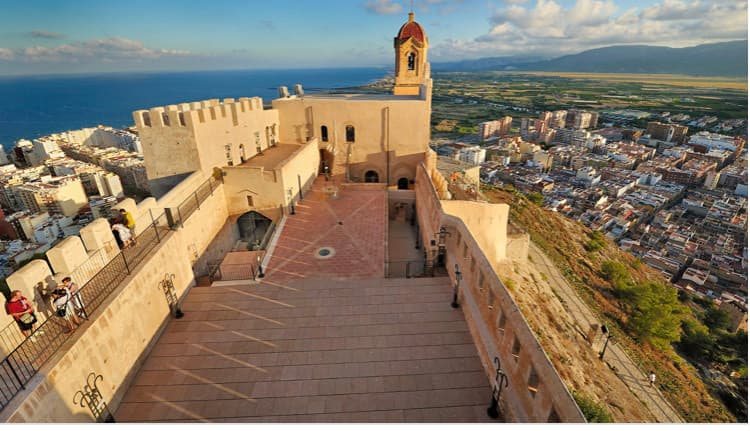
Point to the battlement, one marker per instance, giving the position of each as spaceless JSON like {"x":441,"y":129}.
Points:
{"x":190,"y":115}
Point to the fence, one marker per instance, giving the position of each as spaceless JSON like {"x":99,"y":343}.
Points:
{"x":236,"y":272}
{"x":409,"y":269}
{"x":22,"y":363}
{"x":193,"y":202}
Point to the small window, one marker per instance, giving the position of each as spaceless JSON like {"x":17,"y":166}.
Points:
{"x":349,"y":133}
{"x":324,"y":133}
{"x":146,"y":119}
{"x":533,"y":382}
{"x":515,"y":350}
{"x":250,"y":201}
{"x":501,"y":321}
{"x":466,"y":250}
{"x":411,"y":60}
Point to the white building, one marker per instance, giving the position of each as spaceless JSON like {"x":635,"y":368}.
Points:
{"x":472,"y":155}
{"x":714,"y":141}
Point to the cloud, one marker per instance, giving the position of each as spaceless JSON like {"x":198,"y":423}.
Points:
{"x":41,"y":34}
{"x":113,"y":49}
{"x":548,"y":27}
{"x":383,"y":7}
{"x":267,"y":24}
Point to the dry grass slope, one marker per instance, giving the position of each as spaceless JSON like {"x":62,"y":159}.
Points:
{"x":564,"y":242}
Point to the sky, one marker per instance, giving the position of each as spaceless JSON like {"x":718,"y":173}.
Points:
{"x":87,"y":36}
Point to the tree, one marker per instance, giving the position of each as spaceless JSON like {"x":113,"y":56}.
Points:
{"x":696,"y":340}
{"x":656,"y":314}
{"x":716,"y":319}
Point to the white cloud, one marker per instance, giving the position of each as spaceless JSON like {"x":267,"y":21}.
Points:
{"x":383,"y":7}
{"x":106,"y":50}
{"x":546,"y":27}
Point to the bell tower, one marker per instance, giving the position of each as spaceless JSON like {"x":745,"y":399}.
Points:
{"x":412,"y":69}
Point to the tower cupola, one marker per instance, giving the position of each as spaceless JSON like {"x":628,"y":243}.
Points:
{"x":411,"y":45}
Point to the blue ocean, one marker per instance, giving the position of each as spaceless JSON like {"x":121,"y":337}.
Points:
{"x":36,"y":106}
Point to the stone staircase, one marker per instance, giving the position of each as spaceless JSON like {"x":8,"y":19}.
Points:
{"x":314,"y":350}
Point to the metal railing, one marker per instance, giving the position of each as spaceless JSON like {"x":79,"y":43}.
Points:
{"x":23,"y":362}
{"x":229,"y":272}
{"x":409,"y":269}
{"x":193,"y":202}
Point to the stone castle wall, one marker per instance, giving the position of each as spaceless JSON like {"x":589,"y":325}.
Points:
{"x":535,"y":391}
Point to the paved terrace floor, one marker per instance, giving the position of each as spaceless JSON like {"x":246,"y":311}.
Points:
{"x":319,"y":340}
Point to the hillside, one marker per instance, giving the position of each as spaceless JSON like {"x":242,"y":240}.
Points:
{"x":566,"y":242}
{"x":715,"y":59}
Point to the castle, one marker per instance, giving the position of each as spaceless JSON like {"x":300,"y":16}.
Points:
{"x":356,"y":167}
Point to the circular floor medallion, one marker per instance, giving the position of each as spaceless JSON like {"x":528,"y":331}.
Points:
{"x":325,"y":253}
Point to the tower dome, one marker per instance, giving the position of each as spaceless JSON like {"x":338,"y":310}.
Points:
{"x":411,"y":29}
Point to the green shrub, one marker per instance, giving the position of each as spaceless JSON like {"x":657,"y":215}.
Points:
{"x":592,"y":411}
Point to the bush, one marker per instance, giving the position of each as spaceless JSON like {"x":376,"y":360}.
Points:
{"x":536,"y":198}
{"x":592,"y":411}
{"x":596,"y":242}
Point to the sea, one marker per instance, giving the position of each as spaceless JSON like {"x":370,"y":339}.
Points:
{"x":33,"y":106}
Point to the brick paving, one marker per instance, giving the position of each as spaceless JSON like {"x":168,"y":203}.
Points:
{"x":353,"y":224}
{"x":319,"y":340}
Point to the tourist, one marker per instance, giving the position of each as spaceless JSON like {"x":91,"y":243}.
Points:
{"x":22,"y":311}
{"x":651,"y":378}
{"x":64,"y":307}
{"x":123,"y":234}
{"x":127,"y":220}
{"x":76,"y":294}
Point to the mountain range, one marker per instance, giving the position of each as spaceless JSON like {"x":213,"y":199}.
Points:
{"x":714,"y":59}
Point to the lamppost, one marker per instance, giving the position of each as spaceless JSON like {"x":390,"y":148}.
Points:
{"x":608,"y":334}
{"x":260,"y":267}
{"x":291,"y":200}
{"x":454,"y":304}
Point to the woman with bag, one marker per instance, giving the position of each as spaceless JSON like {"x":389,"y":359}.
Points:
{"x":64,"y":307}
{"x":22,"y":311}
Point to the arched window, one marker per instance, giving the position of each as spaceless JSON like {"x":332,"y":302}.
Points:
{"x":349,"y":133}
{"x":403,"y":184}
{"x":324,"y":133}
{"x":371,"y":177}
{"x":411,"y":60}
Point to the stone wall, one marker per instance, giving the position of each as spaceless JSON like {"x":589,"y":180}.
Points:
{"x":535,"y":391}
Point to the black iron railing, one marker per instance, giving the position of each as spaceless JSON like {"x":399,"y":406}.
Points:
{"x":23,"y":362}
{"x":409,"y":269}
{"x":193,"y":202}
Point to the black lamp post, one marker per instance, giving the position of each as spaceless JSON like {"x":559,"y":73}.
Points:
{"x":454,"y":304}
{"x":291,"y":200}
{"x":260,"y":268}
{"x":608,"y":334}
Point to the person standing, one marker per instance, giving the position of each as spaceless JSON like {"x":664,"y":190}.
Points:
{"x":76,"y":296}
{"x":64,"y":307}
{"x":651,"y":378}
{"x":129,"y":222}
{"x":22,"y":311}
{"x":123,"y":234}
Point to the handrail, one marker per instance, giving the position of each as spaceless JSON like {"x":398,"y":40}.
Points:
{"x":22,"y":364}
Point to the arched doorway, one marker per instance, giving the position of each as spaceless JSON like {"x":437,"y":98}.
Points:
{"x":403,"y":184}
{"x":371,"y":177}
{"x":253,"y":227}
